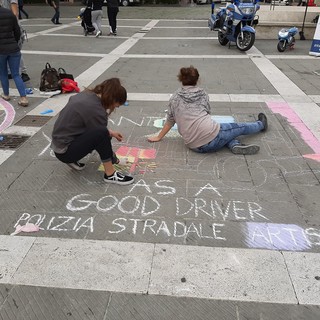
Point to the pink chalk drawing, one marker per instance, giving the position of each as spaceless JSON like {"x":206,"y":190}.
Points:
{"x":284,"y":109}
{"x":134,"y":154}
{"x":9,"y":114}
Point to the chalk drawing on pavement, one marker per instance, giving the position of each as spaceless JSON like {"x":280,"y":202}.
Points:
{"x":280,"y":236}
{"x":9,"y":114}
{"x":137,"y":160}
{"x":294,"y":120}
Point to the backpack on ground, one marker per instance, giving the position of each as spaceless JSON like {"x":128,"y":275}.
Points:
{"x":49,"y":80}
{"x":64,"y":75}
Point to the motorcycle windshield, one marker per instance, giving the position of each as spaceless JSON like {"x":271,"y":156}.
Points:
{"x":247,"y":8}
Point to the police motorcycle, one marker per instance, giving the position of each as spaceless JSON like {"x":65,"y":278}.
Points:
{"x":235,"y":22}
{"x":286,"y":38}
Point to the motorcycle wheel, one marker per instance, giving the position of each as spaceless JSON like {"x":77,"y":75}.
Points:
{"x":245,"y":43}
{"x":281,"y":46}
{"x":222,"y":38}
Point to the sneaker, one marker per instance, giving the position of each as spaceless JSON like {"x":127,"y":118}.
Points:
{"x":77,"y":165}
{"x":25,"y":77}
{"x":263,"y":118}
{"x":118,"y":178}
{"x":98,"y":34}
{"x":4,"y":97}
{"x":23,"y":102}
{"x":245,"y":149}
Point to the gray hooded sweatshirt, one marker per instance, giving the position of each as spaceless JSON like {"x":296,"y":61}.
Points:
{"x":189,"y":108}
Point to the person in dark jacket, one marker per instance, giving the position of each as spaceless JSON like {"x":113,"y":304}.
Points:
{"x":13,"y":6}
{"x":112,"y":10}
{"x":56,"y":6}
{"x":10,"y":55}
{"x":82,"y":127}
{"x":21,"y":10}
{"x":96,"y":15}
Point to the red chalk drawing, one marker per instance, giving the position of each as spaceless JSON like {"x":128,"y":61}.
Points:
{"x":9,"y":114}
{"x":295,"y":121}
{"x":134,"y":154}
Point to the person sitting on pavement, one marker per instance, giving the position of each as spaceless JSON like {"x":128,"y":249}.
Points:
{"x":10,"y":55}
{"x":189,"y":108}
{"x":82,"y":127}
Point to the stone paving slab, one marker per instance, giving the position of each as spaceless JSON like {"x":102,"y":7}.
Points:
{"x":194,"y":276}
{"x":123,"y":269}
{"x":24,"y":302}
{"x":12,"y":252}
{"x":143,"y":307}
{"x":85,"y":45}
{"x":269,"y":47}
{"x":309,"y":281}
{"x":104,"y":39}
{"x":215,"y":81}
{"x":53,"y":303}
{"x":305,"y":73}
{"x":146,"y":268}
{"x":186,"y":201}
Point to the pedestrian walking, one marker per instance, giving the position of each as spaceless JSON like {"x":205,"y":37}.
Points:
{"x":21,"y":10}
{"x":10,"y":55}
{"x":189,"y":108}
{"x":96,"y":15}
{"x":82,"y":127}
{"x":13,"y":6}
{"x":112,"y":11}
{"x":56,"y":6}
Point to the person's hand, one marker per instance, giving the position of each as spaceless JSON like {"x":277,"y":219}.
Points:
{"x":154,"y":139}
{"x":116,"y":135}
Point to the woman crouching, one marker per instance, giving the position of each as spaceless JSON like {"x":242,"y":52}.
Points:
{"x":82,"y":127}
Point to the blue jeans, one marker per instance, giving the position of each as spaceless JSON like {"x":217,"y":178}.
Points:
{"x":13,"y":60}
{"x":227,"y":134}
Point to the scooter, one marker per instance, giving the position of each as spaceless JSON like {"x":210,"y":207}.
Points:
{"x":286,"y":38}
{"x":235,"y":22}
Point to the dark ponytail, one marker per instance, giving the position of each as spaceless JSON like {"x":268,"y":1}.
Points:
{"x":111,"y":91}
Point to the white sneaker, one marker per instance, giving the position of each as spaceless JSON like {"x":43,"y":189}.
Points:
{"x":98,"y":34}
{"x":245,"y":149}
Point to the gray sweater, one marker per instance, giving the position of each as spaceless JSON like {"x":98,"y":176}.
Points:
{"x":189,"y":108}
{"x":82,"y":112}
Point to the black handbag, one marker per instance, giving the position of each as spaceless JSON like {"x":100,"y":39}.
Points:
{"x":64,"y":75}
